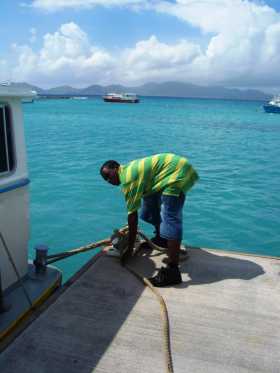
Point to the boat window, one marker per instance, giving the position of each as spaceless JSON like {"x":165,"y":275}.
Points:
{"x":6,"y":141}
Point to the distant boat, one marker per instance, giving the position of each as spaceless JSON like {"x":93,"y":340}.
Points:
{"x":79,"y":98}
{"x":121,"y":97}
{"x":273,"y":106}
{"x":27,"y":101}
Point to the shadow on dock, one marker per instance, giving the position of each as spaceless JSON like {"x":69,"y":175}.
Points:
{"x":204,"y":267}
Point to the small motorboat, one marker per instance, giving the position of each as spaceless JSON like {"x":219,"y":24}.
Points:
{"x":130,"y":98}
{"x":273,"y":106}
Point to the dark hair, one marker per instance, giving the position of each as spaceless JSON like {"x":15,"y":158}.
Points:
{"x":111,"y":164}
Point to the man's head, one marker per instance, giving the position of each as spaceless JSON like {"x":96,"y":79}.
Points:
{"x":109,"y":172}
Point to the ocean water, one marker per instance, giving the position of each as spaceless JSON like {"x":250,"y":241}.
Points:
{"x":234,"y":146}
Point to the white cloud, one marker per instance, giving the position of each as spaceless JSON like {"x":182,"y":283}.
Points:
{"x":70,"y":42}
{"x":66,"y":56}
{"x":244,"y":45}
{"x":214,"y":16}
{"x":153,"y":60}
{"x":55,"y":5}
{"x":243,"y":49}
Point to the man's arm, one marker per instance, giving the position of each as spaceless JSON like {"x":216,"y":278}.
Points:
{"x":132,"y":220}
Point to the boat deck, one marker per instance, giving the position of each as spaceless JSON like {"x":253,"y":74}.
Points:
{"x":224,"y":317}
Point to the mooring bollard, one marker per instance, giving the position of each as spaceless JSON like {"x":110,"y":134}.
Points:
{"x":40,"y":261}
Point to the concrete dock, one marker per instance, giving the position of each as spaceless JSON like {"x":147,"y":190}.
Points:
{"x":224,"y":318}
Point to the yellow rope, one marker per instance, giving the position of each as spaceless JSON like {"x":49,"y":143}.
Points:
{"x":164,"y":317}
{"x":163,"y":308}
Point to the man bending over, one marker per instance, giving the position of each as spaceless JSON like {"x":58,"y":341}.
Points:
{"x":161,"y":181}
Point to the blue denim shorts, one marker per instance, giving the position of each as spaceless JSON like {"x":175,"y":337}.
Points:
{"x":166,"y":212}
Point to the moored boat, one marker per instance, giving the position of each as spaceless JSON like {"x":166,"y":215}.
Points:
{"x":23,"y":285}
{"x":273,"y":106}
{"x":121,"y":98}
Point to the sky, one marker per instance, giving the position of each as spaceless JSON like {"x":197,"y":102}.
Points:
{"x":233,"y":43}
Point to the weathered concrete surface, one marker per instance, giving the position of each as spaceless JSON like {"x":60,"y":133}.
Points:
{"x":225,"y":317}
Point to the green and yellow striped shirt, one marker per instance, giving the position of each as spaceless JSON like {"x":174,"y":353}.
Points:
{"x":167,"y":173}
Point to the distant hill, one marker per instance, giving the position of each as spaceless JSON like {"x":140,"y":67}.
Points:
{"x":176,"y":89}
{"x":167,"y":89}
{"x":28,"y":87}
{"x":62,"y":90}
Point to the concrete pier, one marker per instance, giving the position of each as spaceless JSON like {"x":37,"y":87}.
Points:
{"x":224,"y":318}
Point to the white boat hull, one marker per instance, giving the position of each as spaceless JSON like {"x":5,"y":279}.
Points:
{"x":14,"y":203}
{"x":14,"y":228}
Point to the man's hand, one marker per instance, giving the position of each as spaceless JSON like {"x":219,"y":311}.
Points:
{"x":132,"y":220}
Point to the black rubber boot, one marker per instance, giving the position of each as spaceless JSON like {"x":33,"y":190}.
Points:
{"x":167,"y":276}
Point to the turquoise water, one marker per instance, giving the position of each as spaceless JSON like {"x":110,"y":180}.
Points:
{"x":234,"y":146}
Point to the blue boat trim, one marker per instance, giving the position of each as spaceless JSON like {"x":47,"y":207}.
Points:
{"x":18,"y":184}
{"x":271,"y":108}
